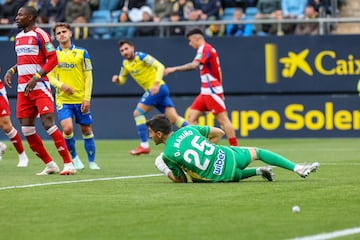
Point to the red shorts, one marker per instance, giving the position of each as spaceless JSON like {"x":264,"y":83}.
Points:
{"x":37,"y":102}
{"x":4,"y":106}
{"x":209,"y":103}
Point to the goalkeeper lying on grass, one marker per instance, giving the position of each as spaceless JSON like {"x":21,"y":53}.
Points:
{"x":194,"y":150}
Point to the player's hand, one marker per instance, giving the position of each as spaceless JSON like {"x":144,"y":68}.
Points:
{"x":67,"y":89}
{"x":169,"y":70}
{"x":7,"y":79}
{"x":115,"y":79}
{"x":31,"y":85}
{"x":85,"y":106}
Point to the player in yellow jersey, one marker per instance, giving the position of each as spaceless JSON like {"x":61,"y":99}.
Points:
{"x":148,"y":73}
{"x":73,"y":81}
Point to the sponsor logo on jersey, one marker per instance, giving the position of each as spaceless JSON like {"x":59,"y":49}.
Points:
{"x":66,"y":65}
{"x":219,"y":163}
{"x":27,"y":50}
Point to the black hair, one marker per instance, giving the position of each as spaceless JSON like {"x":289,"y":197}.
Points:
{"x":160,"y":123}
{"x":122,"y":42}
{"x":194,"y":31}
{"x":31,"y":11}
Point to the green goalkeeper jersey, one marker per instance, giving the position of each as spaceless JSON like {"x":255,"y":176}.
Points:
{"x":189,"y":149}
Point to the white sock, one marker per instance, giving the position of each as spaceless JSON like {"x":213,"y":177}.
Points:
{"x":23,"y":156}
{"x":51,"y":164}
{"x":145,"y":144}
{"x":68,"y":165}
{"x":297,"y":167}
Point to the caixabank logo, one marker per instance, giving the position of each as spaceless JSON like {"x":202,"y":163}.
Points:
{"x":324,"y":63}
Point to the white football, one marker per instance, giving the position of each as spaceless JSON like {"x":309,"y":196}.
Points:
{"x":295,"y":209}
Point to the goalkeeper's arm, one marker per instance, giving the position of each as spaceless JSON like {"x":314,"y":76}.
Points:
{"x":162,"y":167}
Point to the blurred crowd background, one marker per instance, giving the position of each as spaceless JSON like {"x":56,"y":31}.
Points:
{"x":225,"y":17}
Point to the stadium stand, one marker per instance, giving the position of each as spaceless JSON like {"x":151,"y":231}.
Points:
{"x":101,"y":16}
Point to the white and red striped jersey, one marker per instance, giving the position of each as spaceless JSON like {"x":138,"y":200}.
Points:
{"x":35,"y":50}
{"x":210,"y":71}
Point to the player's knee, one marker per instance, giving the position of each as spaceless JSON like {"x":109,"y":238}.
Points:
{"x":28,"y":130}
{"x":48,"y":123}
{"x":137,"y":112}
{"x":172,"y":119}
{"x":67,"y":131}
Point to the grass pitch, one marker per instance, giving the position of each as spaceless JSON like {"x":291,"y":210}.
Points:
{"x":108,"y":204}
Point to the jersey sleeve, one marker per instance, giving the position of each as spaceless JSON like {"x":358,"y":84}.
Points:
{"x":48,"y":49}
{"x":157,"y":65}
{"x":87,"y":61}
{"x":53,"y":79}
{"x":200,"y":56}
{"x":175,"y":169}
{"x":203,"y":130}
{"x":123,"y":74}
{"x":88,"y":76}
{"x":153,"y":62}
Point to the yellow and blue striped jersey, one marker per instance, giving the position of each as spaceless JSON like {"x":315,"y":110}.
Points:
{"x":144,"y":69}
{"x":75,"y":70}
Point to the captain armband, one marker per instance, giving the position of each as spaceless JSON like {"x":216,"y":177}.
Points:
{"x":161,"y":165}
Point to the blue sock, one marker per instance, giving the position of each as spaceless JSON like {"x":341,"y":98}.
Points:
{"x":141,"y":127}
{"x":70,"y":143}
{"x":181,"y":122}
{"x":90,"y":148}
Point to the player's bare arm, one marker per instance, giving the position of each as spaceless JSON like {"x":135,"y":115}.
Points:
{"x":186,"y":67}
{"x":215,"y":134}
{"x":8,"y":75}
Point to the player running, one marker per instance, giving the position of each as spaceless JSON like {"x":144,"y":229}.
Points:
{"x":211,"y":97}
{"x":148,"y":73}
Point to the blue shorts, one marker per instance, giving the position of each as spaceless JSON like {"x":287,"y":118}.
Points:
{"x":69,"y":110}
{"x":160,"y":101}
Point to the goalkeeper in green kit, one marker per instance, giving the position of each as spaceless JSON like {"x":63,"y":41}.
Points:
{"x":194,"y":150}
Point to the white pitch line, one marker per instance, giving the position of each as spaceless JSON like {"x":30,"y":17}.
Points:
{"x":78,"y":181}
{"x":331,"y":235}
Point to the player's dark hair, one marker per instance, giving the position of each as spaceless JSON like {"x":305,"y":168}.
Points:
{"x":159,"y":123}
{"x":61,"y":24}
{"x":31,"y":11}
{"x":122,"y":42}
{"x":194,"y":31}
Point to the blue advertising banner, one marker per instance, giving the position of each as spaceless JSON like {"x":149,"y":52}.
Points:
{"x":275,"y":87}
{"x":250,"y":65}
